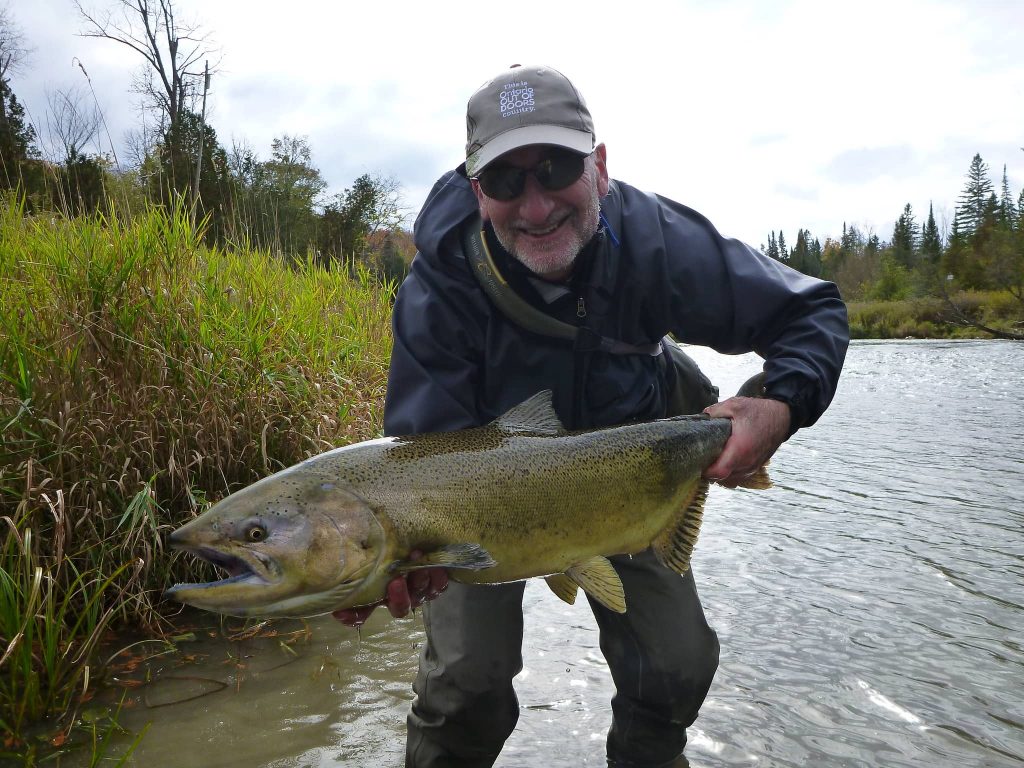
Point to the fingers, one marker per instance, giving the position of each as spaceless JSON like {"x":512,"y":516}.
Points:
{"x":355,"y":617}
{"x":438,"y":582}
{"x":402,"y":594}
{"x":758,"y":428}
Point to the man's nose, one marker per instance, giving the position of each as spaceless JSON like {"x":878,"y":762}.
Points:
{"x":536,"y":203}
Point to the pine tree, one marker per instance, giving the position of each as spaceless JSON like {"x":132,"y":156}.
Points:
{"x":931,"y":241}
{"x":973,"y":201}
{"x":773,"y":247}
{"x":783,"y":251}
{"x":1007,"y":208}
{"x":904,"y":238}
{"x":16,"y":137}
{"x":815,"y":265}
{"x":799,"y":258}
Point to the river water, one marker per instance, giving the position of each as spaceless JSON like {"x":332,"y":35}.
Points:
{"x":870,"y":608}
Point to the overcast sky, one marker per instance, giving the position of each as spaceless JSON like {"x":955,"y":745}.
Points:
{"x":762,"y":116}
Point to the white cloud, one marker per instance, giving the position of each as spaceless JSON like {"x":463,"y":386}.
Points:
{"x":793,"y":114}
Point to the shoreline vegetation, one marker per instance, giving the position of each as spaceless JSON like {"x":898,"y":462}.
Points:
{"x":145,"y":373}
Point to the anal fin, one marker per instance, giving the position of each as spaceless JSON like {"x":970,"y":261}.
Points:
{"x":562,"y":586}
{"x":598,"y":579}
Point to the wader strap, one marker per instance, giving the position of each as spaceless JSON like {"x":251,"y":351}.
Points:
{"x":528,"y":317}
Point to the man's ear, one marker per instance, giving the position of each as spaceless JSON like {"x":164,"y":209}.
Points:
{"x":481,"y":199}
{"x":601,"y":165}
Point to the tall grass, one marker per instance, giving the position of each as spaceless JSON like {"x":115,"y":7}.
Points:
{"x":143,"y":374}
{"x":931,"y":317}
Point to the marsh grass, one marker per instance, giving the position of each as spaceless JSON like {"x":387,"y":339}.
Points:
{"x":143,"y":375}
{"x":931,"y":318}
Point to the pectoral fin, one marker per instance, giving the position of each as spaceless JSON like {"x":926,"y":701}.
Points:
{"x":598,"y":579}
{"x":562,"y":586}
{"x":471,"y":557}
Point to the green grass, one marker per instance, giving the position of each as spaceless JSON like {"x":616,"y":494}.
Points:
{"x":142,"y":375}
{"x":931,"y":318}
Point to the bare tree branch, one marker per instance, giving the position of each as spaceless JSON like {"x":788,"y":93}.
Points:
{"x":169,"y":48}
{"x":71,"y":123}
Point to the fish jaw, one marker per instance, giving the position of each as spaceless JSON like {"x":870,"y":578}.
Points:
{"x":318,"y":545}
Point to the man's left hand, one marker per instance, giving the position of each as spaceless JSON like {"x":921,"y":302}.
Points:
{"x":759,"y":427}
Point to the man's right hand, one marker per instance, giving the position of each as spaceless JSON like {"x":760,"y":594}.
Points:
{"x":403,"y":594}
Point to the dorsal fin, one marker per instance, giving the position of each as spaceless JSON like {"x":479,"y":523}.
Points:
{"x":535,"y":415}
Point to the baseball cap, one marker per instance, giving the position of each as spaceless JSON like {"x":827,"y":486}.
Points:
{"x":525,"y":105}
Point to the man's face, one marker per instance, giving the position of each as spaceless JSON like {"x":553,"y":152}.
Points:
{"x":546,"y":229}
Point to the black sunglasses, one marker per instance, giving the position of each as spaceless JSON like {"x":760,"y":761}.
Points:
{"x":556,"y":171}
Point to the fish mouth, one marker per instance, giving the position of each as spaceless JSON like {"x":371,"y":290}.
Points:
{"x":237,"y":570}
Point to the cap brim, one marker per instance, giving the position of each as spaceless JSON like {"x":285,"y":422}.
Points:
{"x":555,"y":135}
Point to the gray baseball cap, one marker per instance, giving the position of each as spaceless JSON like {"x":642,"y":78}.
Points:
{"x":523,"y":106}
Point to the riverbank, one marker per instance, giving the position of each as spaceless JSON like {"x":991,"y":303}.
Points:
{"x":141,"y":375}
{"x":937,"y":318}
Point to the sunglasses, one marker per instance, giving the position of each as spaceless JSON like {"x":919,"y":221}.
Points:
{"x":556,"y":171}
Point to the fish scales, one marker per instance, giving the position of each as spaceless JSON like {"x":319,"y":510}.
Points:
{"x":521,"y":497}
{"x":610,"y":487}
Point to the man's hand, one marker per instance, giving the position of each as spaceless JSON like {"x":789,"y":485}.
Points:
{"x":403,"y":594}
{"x":759,"y":427}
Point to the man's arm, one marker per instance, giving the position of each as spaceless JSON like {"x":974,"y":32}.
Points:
{"x":718,"y":292}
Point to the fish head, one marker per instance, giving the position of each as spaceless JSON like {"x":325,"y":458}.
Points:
{"x":293,"y":544}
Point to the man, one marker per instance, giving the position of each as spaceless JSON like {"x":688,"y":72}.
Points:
{"x":623,"y":265}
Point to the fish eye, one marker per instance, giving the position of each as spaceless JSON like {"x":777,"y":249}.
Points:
{"x":256,"y":533}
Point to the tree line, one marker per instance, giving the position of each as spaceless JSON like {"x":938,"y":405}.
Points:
{"x":983,"y":249}
{"x":278,"y":203}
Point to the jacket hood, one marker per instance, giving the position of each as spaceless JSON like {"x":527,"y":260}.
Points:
{"x":450,"y":202}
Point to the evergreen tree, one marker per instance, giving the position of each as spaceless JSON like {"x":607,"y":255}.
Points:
{"x":973,"y":201}
{"x":816,"y":266}
{"x":1007,"y":208}
{"x":799,"y":258}
{"x":17,"y":138}
{"x":773,"y":246}
{"x":176,"y":156}
{"x":783,"y":251}
{"x":931,"y":241}
{"x":904,"y":238}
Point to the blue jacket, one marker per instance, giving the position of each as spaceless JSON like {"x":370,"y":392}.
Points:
{"x":655,"y":267}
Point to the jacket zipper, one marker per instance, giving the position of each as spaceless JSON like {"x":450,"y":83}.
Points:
{"x":579,"y":372}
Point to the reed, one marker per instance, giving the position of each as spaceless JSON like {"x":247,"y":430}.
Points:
{"x":143,"y":374}
{"x":931,"y":317}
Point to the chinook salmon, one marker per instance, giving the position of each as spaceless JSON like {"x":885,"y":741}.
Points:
{"x":518,"y":498}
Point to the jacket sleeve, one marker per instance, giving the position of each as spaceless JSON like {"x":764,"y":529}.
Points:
{"x":435,"y":360}
{"x":732,"y":298}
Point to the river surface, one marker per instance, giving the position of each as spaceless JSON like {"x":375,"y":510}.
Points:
{"x":870,"y":608}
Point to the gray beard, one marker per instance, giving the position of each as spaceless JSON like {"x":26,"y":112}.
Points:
{"x":587,"y":225}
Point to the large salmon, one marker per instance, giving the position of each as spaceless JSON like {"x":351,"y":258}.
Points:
{"x":518,"y":498}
